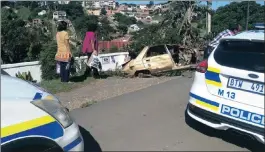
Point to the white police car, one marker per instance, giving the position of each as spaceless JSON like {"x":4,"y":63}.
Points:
{"x":34,"y":120}
{"x":228,"y":88}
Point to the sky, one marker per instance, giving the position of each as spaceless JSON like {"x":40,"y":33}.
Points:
{"x":215,"y":3}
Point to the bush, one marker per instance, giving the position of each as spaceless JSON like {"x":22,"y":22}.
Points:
{"x":48,"y":64}
{"x":113,"y":49}
{"x":25,"y":76}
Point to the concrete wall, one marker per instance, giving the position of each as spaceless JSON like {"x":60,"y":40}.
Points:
{"x":34,"y":67}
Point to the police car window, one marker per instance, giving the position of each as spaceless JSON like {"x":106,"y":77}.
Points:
{"x":245,"y":55}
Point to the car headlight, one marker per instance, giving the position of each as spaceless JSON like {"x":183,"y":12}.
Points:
{"x":56,"y":110}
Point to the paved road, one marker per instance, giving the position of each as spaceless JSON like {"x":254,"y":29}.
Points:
{"x":151,"y":119}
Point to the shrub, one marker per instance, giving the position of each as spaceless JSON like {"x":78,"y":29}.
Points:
{"x":48,"y":64}
{"x":113,"y":49}
{"x":25,"y":76}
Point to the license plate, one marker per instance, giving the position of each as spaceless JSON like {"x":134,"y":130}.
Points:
{"x":248,"y":86}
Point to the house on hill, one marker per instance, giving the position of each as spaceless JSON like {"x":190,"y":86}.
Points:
{"x":59,"y":15}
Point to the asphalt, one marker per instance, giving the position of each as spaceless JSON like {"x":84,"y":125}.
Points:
{"x":153,"y":119}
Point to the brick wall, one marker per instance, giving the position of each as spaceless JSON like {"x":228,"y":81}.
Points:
{"x":108,"y":44}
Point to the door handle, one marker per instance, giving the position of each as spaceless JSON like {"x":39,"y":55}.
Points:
{"x":148,"y":60}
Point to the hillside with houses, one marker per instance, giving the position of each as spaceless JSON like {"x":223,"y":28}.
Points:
{"x":28,"y":27}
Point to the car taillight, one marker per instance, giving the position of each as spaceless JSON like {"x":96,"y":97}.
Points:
{"x":202,"y":66}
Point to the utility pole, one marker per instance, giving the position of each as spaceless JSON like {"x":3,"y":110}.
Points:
{"x":208,"y":17}
{"x":247,"y":17}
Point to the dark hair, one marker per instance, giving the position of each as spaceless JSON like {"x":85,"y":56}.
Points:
{"x":62,"y":26}
{"x":92,"y":27}
{"x":234,"y":27}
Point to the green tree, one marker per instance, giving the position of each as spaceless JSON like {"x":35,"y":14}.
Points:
{"x":113,"y":49}
{"x":123,"y":19}
{"x":7,"y":3}
{"x":14,"y":38}
{"x":82,"y":23}
{"x":20,"y":43}
{"x":105,"y":30}
{"x":175,"y":28}
{"x":123,"y":28}
{"x":48,"y":64}
{"x":73,"y":10}
{"x":103,"y":11}
{"x":236,"y":13}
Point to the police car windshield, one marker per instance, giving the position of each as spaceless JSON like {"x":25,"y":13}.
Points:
{"x":245,"y":55}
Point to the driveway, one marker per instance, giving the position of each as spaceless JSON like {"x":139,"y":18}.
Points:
{"x":152,"y":119}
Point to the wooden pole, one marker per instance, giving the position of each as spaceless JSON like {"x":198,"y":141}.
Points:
{"x":209,"y":21}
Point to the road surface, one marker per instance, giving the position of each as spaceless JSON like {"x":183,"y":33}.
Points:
{"x":151,"y":119}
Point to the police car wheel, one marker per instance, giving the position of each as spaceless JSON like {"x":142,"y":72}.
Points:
{"x":32,"y":144}
{"x":39,"y":149}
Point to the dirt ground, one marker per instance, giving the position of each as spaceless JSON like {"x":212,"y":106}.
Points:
{"x":106,"y":88}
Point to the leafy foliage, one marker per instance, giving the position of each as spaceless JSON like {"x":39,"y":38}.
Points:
{"x":105,"y":30}
{"x":24,"y":13}
{"x":14,"y":38}
{"x":175,"y":28}
{"x":236,"y":13}
{"x":48,"y":64}
{"x":113,"y":49}
{"x":25,"y":76}
{"x":82,"y":23}
{"x":185,"y":23}
{"x":123,"y":28}
{"x":123,"y":19}
{"x":73,"y":10}
{"x":103,"y":11}
{"x":20,"y":43}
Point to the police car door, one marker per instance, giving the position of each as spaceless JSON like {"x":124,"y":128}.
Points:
{"x":236,"y":72}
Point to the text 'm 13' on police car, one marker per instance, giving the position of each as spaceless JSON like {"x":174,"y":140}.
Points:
{"x":228,"y":88}
{"x":34,"y":120}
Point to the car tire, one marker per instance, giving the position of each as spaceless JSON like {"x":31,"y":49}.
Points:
{"x":35,"y":144}
{"x":140,"y":74}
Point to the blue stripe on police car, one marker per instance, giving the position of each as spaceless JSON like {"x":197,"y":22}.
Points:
{"x":243,"y":115}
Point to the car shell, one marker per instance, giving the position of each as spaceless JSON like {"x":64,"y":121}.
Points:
{"x":153,"y":64}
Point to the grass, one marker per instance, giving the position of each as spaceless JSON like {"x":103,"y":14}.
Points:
{"x":56,"y":86}
{"x":157,"y":17}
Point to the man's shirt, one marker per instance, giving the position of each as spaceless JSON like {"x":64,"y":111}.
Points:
{"x":216,"y":40}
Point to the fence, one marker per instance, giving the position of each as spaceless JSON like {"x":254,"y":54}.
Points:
{"x":109,"y":61}
{"x":106,"y":45}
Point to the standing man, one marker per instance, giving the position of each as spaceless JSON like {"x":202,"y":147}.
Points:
{"x":233,"y":30}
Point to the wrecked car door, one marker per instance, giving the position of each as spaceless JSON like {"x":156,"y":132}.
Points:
{"x":174,"y":52}
{"x":157,"y":59}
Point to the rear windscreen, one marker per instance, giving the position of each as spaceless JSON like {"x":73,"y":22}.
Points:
{"x":245,"y":55}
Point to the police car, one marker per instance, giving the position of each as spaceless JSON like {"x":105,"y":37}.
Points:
{"x":228,"y":88}
{"x":34,"y":120}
